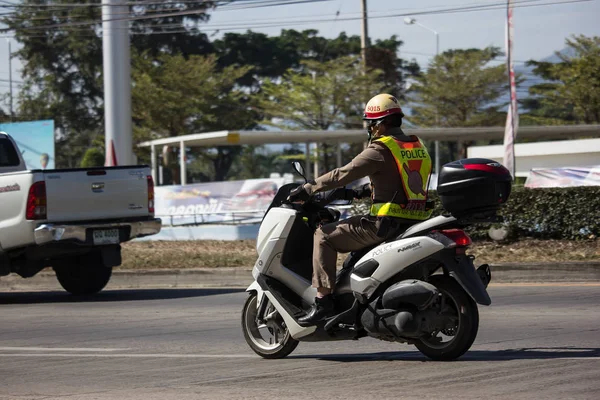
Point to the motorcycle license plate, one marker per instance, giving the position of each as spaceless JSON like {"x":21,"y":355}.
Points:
{"x":105,"y":236}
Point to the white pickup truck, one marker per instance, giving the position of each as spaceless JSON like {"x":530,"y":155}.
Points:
{"x":72,"y":220}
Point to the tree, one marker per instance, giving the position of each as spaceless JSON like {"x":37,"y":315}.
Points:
{"x":62,"y":54}
{"x":175,"y":96}
{"x":572,"y":91}
{"x":459,"y":89}
{"x":94,"y":157}
{"x":272,"y":56}
{"x":319,"y":96}
{"x":62,"y":60}
{"x":4,"y":115}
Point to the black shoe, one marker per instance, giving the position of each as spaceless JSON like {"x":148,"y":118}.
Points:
{"x":323,"y":308}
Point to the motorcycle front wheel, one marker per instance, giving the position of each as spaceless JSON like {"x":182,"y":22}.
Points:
{"x":266,"y":334}
{"x":454,"y":341}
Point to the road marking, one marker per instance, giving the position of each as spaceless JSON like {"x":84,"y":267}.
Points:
{"x":82,"y":349}
{"x":121,"y":355}
{"x":549,"y":284}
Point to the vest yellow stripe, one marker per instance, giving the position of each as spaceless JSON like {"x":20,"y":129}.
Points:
{"x":396,"y":210}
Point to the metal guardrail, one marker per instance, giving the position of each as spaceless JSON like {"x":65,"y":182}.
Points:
{"x":238,"y":217}
{"x":200,"y":218}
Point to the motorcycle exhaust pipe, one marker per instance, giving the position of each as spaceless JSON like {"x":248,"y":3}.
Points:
{"x":407,"y":324}
{"x":397,"y":312}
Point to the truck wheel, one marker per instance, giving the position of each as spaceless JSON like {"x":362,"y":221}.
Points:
{"x":83,"y":279}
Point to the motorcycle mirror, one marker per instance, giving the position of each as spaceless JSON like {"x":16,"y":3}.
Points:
{"x":299,"y":168}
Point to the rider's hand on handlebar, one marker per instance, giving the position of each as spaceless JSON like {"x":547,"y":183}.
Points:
{"x":298,"y":195}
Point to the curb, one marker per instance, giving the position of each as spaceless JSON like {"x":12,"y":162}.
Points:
{"x":566,"y":272}
{"x":571,"y":272}
{"x":142,"y":279}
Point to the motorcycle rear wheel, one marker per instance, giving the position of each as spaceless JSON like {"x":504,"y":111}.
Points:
{"x":270,"y":341}
{"x":464,"y":334}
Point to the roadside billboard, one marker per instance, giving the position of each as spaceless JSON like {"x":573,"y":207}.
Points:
{"x":216,"y":202}
{"x":35,"y":140}
{"x":240,"y":202}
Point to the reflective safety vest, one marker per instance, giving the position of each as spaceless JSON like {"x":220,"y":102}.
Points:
{"x":414,"y":166}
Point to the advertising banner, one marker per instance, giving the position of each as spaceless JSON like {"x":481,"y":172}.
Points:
{"x":240,"y":202}
{"x":35,"y":140}
{"x":563,"y":177}
{"x":216,"y":202}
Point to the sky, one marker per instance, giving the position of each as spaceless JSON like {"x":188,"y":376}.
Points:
{"x":539,"y":31}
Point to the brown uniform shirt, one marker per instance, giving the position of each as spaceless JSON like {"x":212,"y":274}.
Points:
{"x":376,"y":162}
{"x":358,"y":232}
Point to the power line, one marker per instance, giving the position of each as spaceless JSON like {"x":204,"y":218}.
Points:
{"x":223,"y":5}
{"x":97,"y":5}
{"x":232,"y":3}
{"x":157,"y":14}
{"x":67,"y":17}
{"x":8,"y":80}
{"x":285,"y":23}
{"x":226,"y":6}
{"x":337,"y":14}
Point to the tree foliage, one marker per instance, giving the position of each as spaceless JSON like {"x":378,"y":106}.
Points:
{"x":459,"y":89}
{"x":319,"y":96}
{"x":62,"y":61}
{"x":93,"y":157}
{"x":175,"y":96}
{"x":260,"y":162}
{"x":185,"y":83}
{"x":572,"y":91}
{"x":272,"y":56}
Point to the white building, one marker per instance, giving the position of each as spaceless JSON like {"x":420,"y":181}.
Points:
{"x":564,"y":153}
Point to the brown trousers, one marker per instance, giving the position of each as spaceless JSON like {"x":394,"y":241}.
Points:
{"x":352,"y":234}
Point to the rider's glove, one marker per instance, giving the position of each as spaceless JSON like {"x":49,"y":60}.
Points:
{"x":298,"y":194}
{"x":362,"y":192}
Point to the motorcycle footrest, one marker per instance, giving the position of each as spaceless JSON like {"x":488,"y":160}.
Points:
{"x":339,"y":319}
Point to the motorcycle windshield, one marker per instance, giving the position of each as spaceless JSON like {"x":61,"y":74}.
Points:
{"x":282,"y":195}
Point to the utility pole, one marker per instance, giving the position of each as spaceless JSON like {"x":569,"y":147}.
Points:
{"x":364,"y":43}
{"x":364,"y":37}
{"x":437,"y":115}
{"x":12,"y":114}
{"x":117,"y":83}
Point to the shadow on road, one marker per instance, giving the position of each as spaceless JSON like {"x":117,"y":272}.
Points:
{"x":109,"y":295}
{"x":540,"y":353}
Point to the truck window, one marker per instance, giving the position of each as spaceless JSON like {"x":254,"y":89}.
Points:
{"x":8,"y":154}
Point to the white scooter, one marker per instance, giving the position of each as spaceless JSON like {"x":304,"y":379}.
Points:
{"x":419,"y":288}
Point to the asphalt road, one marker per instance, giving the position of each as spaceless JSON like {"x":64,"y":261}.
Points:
{"x":535,"y":342}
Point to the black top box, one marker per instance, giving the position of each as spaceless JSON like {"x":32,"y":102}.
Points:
{"x":473,"y":186}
